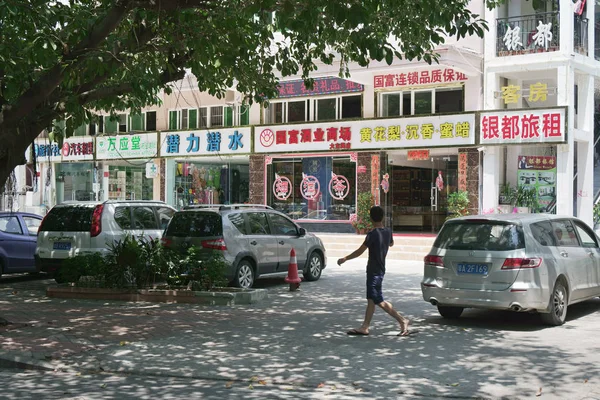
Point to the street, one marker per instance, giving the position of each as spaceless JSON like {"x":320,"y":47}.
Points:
{"x":293,"y":345}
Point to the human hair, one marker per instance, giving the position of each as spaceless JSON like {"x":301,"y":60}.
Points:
{"x":376,"y":214}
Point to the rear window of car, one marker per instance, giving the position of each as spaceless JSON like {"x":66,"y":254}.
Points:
{"x":68,"y":219}
{"x":195,"y":224}
{"x":480,"y":235}
{"x":238,"y":221}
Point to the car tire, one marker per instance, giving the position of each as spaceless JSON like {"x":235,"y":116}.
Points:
{"x":450,"y":312}
{"x":558,"y":306}
{"x":244,"y":275}
{"x":314,"y":267}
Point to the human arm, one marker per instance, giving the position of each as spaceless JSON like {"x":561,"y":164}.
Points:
{"x":356,"y":253}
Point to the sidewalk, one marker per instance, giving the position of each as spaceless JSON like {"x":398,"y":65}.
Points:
{"x":297,"y":340}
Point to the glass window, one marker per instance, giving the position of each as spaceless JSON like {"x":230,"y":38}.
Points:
{"x":423,"y":101}
{"x":10,"y":225}
{"x":542,"y":233}
{"x":122,"y":123}
{"x":110,"y":125}
{"x":193,"y":119}
{"x":123,"y":217}
{"x":150,"y":120}
{"x":297,"y":111}
{"x":244,"y":112}
{"x":173,"y":125}
{"x":283,"y":226}
{"x":32,"y":225}
{"x":326,"y":109}
{"x":184,"y":119}
{"x":564,"y":233}
{"x":216,"y":116}
{"x":406,"y":103}
{"x":68,"y":219}
{"x":275,"y":113}
{"x":195,"y":224}
{"x":238,"y":221}
{"x":258,"y":224}
{"x":137,"y":122}
{"x":164,"y":216}
{"x":390,"y":105}
{"x":587,"y":238}
{"x":351,"y":107}
{"x":449,"y":100}
{"x":476,"y":235}
{"x":203,"y":117}
{"x":143,"y":218}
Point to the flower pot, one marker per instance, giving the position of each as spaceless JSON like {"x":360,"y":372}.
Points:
{"x":522,"y":210}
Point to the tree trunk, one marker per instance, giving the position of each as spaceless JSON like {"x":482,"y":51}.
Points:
{"x":12,"y":152}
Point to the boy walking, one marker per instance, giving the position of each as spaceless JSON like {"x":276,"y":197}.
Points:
{"x":378,"y":242}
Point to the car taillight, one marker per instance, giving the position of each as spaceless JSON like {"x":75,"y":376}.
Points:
{"x":42,"y":224}
{"x":434,"y":261}
{"x":166,"y":242}
{"x":517,"y":263}
{"x":96,"y":228}
{"x":215,"y":244}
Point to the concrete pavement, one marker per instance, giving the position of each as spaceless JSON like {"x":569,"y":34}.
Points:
{"x":294,"y":345}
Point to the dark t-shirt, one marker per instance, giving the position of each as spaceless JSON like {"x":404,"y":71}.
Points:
{"x":378,"y":242}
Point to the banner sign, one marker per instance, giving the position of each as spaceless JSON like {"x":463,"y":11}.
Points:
{"x":127,"y":146}
{"x":523,"y":126}
{"x":418,"y":155}
{"x":321,"y":86}
{"x":78,"y":149}
{"x":417,"y":78}
{"x":205,"y":142}
{"x":539,"y":173}
{"x":411,"y":132}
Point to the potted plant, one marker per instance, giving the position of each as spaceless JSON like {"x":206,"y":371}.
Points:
{"x":458,"y":203}
{"x":365,"y":202}
{"x":526,"y":199}
{"x":507,"y":194}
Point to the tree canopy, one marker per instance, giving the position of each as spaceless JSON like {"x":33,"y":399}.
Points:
{"x":66,"y":57}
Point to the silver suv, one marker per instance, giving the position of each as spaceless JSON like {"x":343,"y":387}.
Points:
{"x":70,"y":228}
{"x":255,"y":240}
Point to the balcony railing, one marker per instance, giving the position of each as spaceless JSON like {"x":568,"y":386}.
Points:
{"x":580,"y":38}
{"x":528,"y":34}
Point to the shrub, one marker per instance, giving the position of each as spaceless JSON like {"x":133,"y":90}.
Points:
{"x":365,"y":202}
{"x":458,"y":204}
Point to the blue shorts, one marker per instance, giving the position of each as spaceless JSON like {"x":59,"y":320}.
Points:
{"x":374,"y":291}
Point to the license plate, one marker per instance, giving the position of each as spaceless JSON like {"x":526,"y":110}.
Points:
{"x":474,"y":269}
{"x":62,"y":246}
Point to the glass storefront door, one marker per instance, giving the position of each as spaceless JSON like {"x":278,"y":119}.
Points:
{"x":74,"y":182}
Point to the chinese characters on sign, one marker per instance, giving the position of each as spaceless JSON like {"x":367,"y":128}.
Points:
{"x":339,"y":187}
{"x":320,"y":86}
{"x":540,"y":38}
{"x":282,"y":187}
{"x":418,"y":155}
{"x":462,"y":172}
{"x":309,"y":187}
{"x":127,"y":146}
{"x":46,"y":152}
{"x":523,"y":126}
{"x":415,"y":78}
{"x":192,"y":143}
{"x":537,"y":92}
{"x":412,"y":132}
{"x":75,"y":149}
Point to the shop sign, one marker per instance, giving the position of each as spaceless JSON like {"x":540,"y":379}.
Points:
{"x":540,"y":38}
{"x":77,"y":149}
{"x":207,"y":142}
{"x":430,"y":131}
{"x":462,"y":172}
{"x":539,"y":173}
{"x":417,"y":78}
{"x":339,"y":186}
{"x":46,"y":151}
{"x":151,"y":170}
{"x":418,"y":155}
{"x":321,"y":86}
{"x":282,"y":187}
{"x":374,"y":179}
{"x":309,"y":187}
{"x":523,"y":126}
{"x":538,"y":92}
{"x":126,"y":146}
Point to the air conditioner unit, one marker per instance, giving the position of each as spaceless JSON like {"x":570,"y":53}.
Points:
{"x":230,"y":96}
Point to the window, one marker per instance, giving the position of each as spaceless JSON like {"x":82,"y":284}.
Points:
{"x":143,"y":218}
{"x":446,"y":100}
{"x":184,"y":119}
{"x":351,"y":107}
{"x":173,"y":120}
{"x":390,"y":104}
{"x":137,"y":122}
{"x":150,"y":120}
{"x":542,"y":233}
{"x":92,"y":129}
{"x":283,"y":226}
{"x":81,"y":130}
{"x":494,"y":236}
{"x":423,"y":102}
{"x":195,"y":224}
{"x":407,"y":103}
{"x":110,"y":125}
{"x":68,"y":219}
{"x":449,"y":100}
{"x":297,"y":111}
{"x":587,"y":239}
{"x":100,"y":124}
{"x":203,"y":117}
{"x":122,"y":122}
{"x":10,"y":225}
{"x":164,"y":216}
{"x":238,"y":221}
{"x":244,"y":114}
{"x":258,"y":224}
{"x":123,"y":217}
{"x":216,"y":116}
{"x":326,"y":109}
{"x":188,"y":118}
{"x":275,"y":113}
{"x":564,"y":233}
{"x":32,"y":225}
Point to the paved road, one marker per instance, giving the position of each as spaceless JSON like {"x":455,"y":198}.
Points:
{"x":294,"y":346}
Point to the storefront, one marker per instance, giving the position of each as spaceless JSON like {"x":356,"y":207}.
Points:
{"x":207,"y":166}
{"x":126,"y":165}
{"x":77,"y":175}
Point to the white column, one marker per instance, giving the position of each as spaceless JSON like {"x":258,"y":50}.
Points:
{"x":585,"y":181}
{"x":491,"y":178}
{"x":564,"y":156}
{"x":590,"y":15}
{"x":566,"y":27}
{"x":368,"y":103}
{"x":104,"y":178}
{"x":490,"y":36}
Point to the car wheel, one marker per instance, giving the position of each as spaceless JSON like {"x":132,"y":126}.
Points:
{"x":558,"y":306}
{"x":244,"y":276}
{"x":450,"y":312}
{"x":314,"y":268}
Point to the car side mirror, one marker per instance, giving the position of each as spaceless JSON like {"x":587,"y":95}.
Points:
{"x":301,"y":232}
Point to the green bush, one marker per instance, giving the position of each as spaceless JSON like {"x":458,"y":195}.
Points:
{"x":203,"y":273}
{"x":458,"y":204}
{"x":365,"y":202}
{"x":82,"y":265}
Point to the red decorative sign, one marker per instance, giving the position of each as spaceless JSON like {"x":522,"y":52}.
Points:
{"x":523,"y":126}
{"x":418,"y":155}
{"x":321,"y":86}
{"x":310,"y":187}
{"x":374,"y":179}
{"x":415,"y":78}
{"x":462,"y":172}
{"x":361,"y":169}
{"x":339,"y":187}
{"x":282,"y":187}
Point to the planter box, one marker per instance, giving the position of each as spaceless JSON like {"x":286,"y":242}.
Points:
{"x":220,"y":296}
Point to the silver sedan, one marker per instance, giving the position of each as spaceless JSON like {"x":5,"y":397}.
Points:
{"x":518,"y":262}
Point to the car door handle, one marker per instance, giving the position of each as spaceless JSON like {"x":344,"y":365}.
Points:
{"x":281,"y":242}
{"x":253,"y":243}
{"x":564,"y":254}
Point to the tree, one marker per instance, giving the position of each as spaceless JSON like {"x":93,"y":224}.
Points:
{"x":67,"y":57}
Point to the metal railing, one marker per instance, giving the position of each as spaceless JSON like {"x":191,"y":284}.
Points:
{"x":528,"y":34}
{"x":580,"y":35}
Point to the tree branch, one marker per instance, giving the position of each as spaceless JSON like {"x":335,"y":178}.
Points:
{"x":173,"y":5}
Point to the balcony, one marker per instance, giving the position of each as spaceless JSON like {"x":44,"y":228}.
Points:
{"x":527,"y":34}
{"x":580,"y":38}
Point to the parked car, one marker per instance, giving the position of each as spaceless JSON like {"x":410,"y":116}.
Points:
{"x":18,"y":234}
{"x":74,"y":228}
{"x":255,"y":240}
{"x":518,"y":262}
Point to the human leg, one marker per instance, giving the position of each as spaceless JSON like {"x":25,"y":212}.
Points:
{"x":403,"y":321}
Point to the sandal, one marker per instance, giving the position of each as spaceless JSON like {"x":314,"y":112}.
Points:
{"x":356,"y":332}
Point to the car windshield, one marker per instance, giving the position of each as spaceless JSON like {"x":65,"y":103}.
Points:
{"x":68,"y":219}
{"x":195,"y":224}
{"x":480,"y":235}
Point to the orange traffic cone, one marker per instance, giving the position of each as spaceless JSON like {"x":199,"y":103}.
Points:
{"x":292,"y":278}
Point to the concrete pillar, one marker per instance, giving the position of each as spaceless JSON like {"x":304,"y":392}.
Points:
{"x":490,"y":178}
{"x":585,"y":181}
{"x":566,"y":27}
{"x":471,"y":176}
{"x":257,"y":179}
{"x":564,"y":156}
{"x":104,"y":178}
